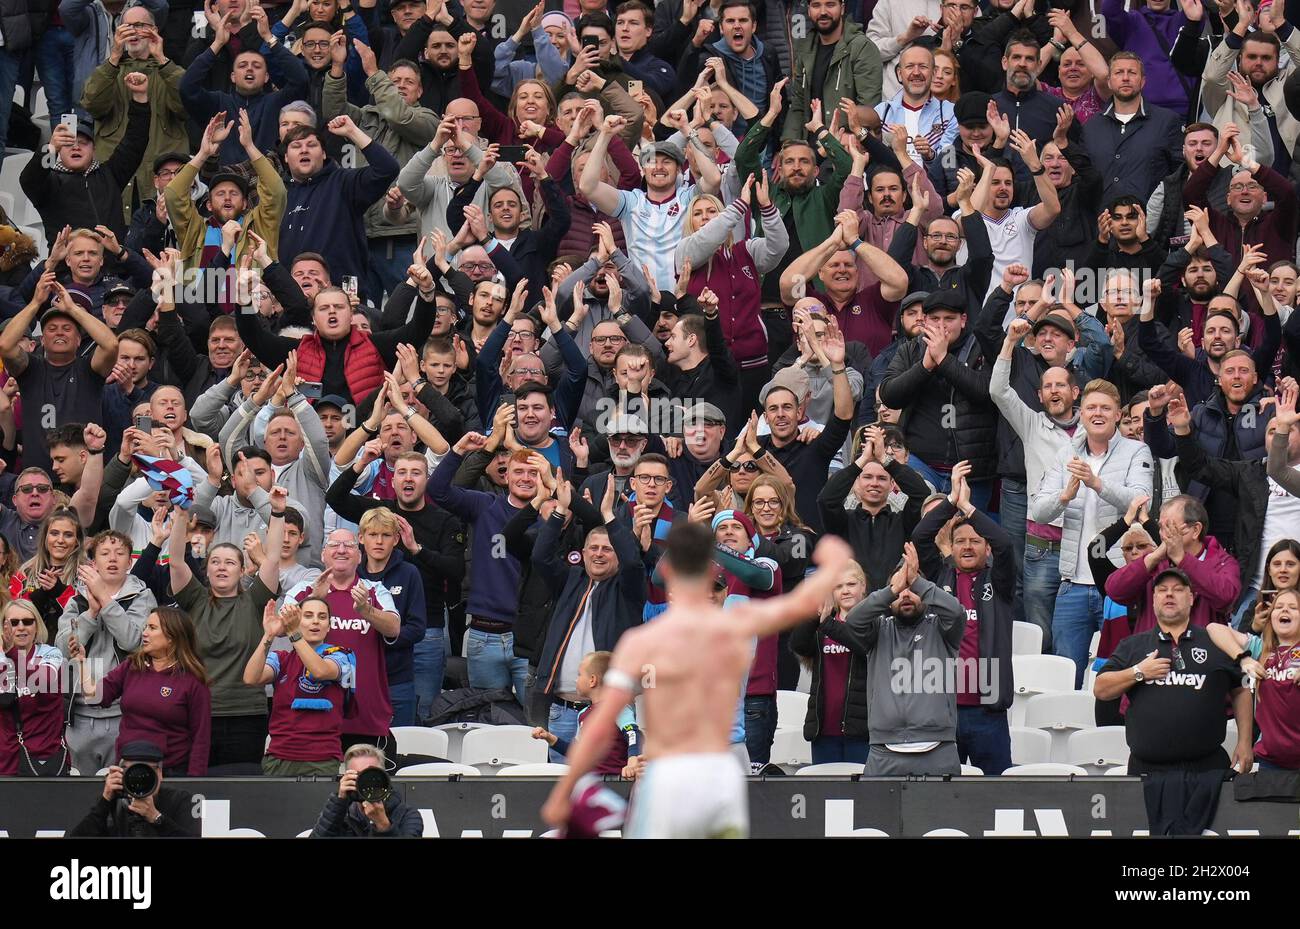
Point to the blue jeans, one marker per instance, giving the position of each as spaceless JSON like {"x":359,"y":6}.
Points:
{"x":430,"y":662}
{"x":984,"y":739}
{"x":389,"y":259}
{"x":827,"y":749}
{"x":493,"y":665}
{"x":1042,"y":581}
{"x":402,"y":696}
{"x":563,"y":722}
{"x":1245,"y":614}
{"x":54,"y":63}
{"x":1076,"y":617}
{"x":760,"y":726}
{"x":8,"y":81}
{"x":981,"y":492}
{"x":1013,"y":512}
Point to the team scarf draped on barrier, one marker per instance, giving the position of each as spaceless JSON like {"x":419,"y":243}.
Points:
{"x":168,"y":475}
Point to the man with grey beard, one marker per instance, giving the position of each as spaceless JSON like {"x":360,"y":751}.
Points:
{"x":627,"y":436}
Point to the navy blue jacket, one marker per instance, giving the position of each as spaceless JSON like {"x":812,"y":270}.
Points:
{"x":326,"y":212}
{"x":403,"y":581}
{"x":1194,"y":375}
{"x":1134,"y":158}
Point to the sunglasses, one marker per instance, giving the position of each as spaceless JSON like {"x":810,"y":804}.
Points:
{"x":1179,"y":664}
{"x":21,"y":621}
{"x":749,"y":467}
{"x":35,"y":489}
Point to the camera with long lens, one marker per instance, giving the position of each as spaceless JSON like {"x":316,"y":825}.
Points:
{"x":139,"y":780}
{"x":373,"y":786}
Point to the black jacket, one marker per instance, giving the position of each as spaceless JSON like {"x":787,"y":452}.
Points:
{"x":1169,"y":231}
{"x":877,"y":540}
{"x":1070,"y":236}
{"x":970,"y":278}
{"x":112,"y":818}
{"x":85,"y":200}
{"x":809,"y":641}
{"x":947,"y":414}
{"x":343,"y":819}
{"x":715,"y":379}
{"x":438,"y":87}
{"x":616,"y":604}
{"x":994,"y":589}
{"x":1136,"y":156}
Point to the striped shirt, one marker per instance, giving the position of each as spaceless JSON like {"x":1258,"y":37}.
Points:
{"x":654,"y":229}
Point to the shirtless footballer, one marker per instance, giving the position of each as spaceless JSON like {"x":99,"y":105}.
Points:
{"x":692,"y":662}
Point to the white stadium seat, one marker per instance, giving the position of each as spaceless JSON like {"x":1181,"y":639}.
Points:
{"x":790,"y":750}
{"x":495,"y":747}
{"x":1048,"y":769}
{"x":1121,"y":771}
{"x":830,"y":768}
{"x":1060,"y":715}
{"x":1098,"y":749}
{"x":969,"y":770}
{"x":456,"y":735}
{"x":1026,"y":639}
{"x":1089,"y":675}
{"x":437,"y":769}
{"x":1038,"y":674}
{"x":791,"y":709}
{"x":1030,"y":746}
{"x":421,"y":740}
{"x":543,"y":769}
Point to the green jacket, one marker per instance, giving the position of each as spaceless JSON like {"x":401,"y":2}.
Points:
{"x":815,"y":208}
{"x":854,"y":72}
{"x":106,"y":98}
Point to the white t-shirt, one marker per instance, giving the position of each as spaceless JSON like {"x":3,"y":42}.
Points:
{"x":652,"y":230}
{"x":1083,"y":570}
{"x":1012,"y":240}
{"x":1281,"y":518}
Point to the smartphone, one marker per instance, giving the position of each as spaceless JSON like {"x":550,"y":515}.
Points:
{"x":591,"y":41}
{"x":144,"y":424}
{"x":513,"y":153}
{"x":69,"y":122}
{"x":310,"y":389}
{"x":634,"y":88}
{"x":350,"y":285}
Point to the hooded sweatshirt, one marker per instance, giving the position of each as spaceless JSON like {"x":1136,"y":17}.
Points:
{"x":406,"y":587}
{"x":107,"y":637}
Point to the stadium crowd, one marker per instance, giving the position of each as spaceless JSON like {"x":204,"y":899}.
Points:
{"x":343,"y":340}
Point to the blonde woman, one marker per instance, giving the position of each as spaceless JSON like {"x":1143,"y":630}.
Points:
{"x":836,"y":724}
{"x":31,"y":697}
{"x":946,"y":82}
{"x":721,"y":259}
{"x":47,"y":578}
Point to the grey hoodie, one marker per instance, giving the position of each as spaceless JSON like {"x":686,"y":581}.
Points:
{"x":903,"y":705}
{"x":107,"y":638}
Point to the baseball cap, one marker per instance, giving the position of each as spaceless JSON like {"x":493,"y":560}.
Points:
{"x":167,"y":158}
{"x":114,"y":286}
{"x":1171,"y":571}
{"x":946,"y":299}
{"x":792,"y":379}
{"x":671,"y":150}
{"x":704,"y":412}
{"x":141,"y":750}
{"x":1060,"y":321}
{"x":972,"y":108}
{"x":333,"y":400}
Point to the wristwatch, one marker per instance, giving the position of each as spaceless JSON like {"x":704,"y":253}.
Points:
{"x":296,"y":637}
{"x":410,"y":412}
{"x":1039,"y":173}
{"x":1059,"y":46}
{"x":1138,"y":676}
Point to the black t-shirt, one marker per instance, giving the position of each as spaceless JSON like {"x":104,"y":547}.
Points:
{"x":821,"y":64}
{"x":54,"y":395}
{"x":1180,"y":718}
{"x":807,"y":464}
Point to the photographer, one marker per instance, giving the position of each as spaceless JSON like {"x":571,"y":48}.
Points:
{"x":136,"y":805}
{"x":366,"y":804}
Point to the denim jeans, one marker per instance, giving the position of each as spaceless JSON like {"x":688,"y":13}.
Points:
{"x":8,"y":81}
{"x":430,"y":662}
{"x":981,"y":492}
{"x":389,"y":259}
{"x":1042,"y":581}
{"x":54,"y":63}
{"x":493,"y":665}
{"x":984,"y":739}
{"x":402,"y":696}
{"x":563,"y":722}
{"x":1076,"y":617}
{"x":760,"y":726}
{"x":827,"y":749}
{"x":1014,"y":511}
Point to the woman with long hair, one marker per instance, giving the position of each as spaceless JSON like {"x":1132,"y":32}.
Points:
{"x":836,"y":724}
{"x":723,"y":261}
{"x":306,"y":712}
{"x":946,"y":82}
{"x":1282,"y":566}
{"x":1271,"y":655}
{"x":8,"y":568}
{"x":163,"y":689}
{"x":47,"y":578}
{"x":529,"y":117}
{"x":227,"y":619}
{"x":31,"y":697}
{"x":784,"y":538}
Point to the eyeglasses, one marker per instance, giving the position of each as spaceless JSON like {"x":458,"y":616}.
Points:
{"x":522,"y":335}
{"x":35,"y":489}
{"x":344,"y":545}
{"x":167,"y":172}
{"x":765,"y":504}
{"x":21,"y":621}
{"x":529,"y":372}
{"x":254,"y":376}
{"x":1135,"y":548}
{"x":625,"y":439}
{"x":1241,"y":188}
{"x":658,"y":480}
{"x":318,"y":46}
{"x":477,"y":266}
{"x":608,"y":339}
{"x":467,"y":119}
{"x":943,"y":236}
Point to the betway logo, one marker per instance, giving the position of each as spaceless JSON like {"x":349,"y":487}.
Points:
{"x":103,"y":882}
{"x":356,"y":625}
{"x":1174,"y":679}
{"x":1050,"y":822}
